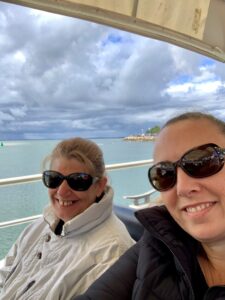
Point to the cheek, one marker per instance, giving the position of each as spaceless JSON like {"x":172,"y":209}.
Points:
{"x":169,"y":198}
{"x":91,"y":197}
{"x":87,"y":198}
{"x":217,"y":181}
{"x":50,"y":193}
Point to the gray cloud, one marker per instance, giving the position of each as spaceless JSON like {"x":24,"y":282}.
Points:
{"x":62,"y":77}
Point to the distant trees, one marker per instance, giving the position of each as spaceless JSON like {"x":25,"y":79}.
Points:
{"x":153,"y":130}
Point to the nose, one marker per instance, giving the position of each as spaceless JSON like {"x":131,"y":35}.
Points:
{"x":64,"y":189}
{"x":186,"y":186}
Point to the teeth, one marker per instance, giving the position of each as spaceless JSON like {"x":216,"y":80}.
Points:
{"x":198,"y":207}
{"x":65,"y":203}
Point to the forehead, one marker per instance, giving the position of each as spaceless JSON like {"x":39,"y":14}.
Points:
{"x":175,"y":139}
{"x":72,"y":165}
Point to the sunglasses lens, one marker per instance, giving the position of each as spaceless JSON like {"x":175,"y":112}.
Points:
{"x":162,"y":176}
{"x":80,"y":181}
{"x":201,"y":162}
{"x":52,"y":179}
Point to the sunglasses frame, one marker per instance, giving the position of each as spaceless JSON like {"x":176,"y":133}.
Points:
{"x":220,"y":155}
{"x":68,"y":178}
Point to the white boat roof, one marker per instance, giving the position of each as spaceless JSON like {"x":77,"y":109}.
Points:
{"x":198,"y":25}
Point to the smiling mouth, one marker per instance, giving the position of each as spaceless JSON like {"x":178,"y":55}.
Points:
{"x":199,"y":208}
{"x":66,"y":203}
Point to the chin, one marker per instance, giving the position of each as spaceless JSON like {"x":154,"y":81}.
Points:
{"x":205,"y":237}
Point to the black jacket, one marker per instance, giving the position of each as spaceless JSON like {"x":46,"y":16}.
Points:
{"x":162,"y":265}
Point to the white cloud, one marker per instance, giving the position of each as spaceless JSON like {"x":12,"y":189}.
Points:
{"x":62,"y":76}
{"x":82,"y":124}
{"x":18,"y":111}
{"x":205,"y":83}
{"x":5,"y":117}
{"x":19,"y":56}
{"x":44,"y":17}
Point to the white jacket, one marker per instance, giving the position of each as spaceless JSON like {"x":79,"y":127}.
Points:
{"x":45,"y":266}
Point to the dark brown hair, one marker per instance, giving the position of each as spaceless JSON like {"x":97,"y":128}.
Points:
{"x":197,"y":116}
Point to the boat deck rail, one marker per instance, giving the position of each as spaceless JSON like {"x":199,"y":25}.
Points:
{"x":109,"y":167}
{"x":143,"y":200}
{"x":37,"y":177}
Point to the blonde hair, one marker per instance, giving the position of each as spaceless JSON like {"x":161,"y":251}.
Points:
{"x":83,"y":150}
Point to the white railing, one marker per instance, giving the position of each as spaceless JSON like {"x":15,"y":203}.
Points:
{"x":37,"y":177}
{"x":18,"y":221}
{"x":142,"y":200}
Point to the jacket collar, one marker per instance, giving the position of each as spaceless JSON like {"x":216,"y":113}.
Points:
{"x":158,"y":221}
{"x":161,"y":228}
{"x":90,"y":218}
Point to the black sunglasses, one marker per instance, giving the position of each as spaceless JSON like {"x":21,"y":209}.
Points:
{"x":76,"y":181}
{"x":199,"y":162}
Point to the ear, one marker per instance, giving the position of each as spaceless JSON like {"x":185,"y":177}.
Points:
{"x":101,"y":186}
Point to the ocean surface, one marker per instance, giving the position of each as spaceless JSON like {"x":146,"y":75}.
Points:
{"x":20,"y":158}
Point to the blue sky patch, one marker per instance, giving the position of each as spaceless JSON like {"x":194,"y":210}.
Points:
{"x":181,"y":79}
{"x":207,"y":62}
{"x":112,"y":39}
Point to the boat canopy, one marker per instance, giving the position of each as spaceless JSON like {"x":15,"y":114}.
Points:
{"x":198,"y":25}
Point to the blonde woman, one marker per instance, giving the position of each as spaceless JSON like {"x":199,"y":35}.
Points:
{"x":77,"y":238}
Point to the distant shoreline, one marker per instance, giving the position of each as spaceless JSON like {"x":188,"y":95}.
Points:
{"x":142,"y":138}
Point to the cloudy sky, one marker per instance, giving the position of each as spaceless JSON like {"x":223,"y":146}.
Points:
{"x":63,"y":77}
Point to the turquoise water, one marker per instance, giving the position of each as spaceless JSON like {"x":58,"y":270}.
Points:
{"x":20,"y":158}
